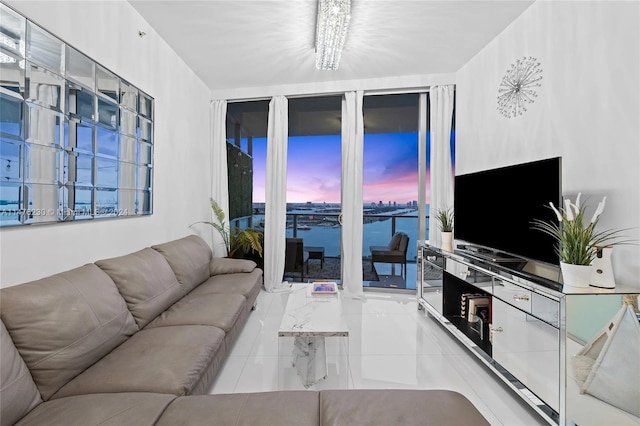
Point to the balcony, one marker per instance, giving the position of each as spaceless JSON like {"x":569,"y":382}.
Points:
{"x":321,"y":234}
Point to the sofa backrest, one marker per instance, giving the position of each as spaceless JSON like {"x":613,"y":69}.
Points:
{"x":146,"y":281}
{"x":64,"y":323}
{"x":18,"y":392}
{"x":189,"y":258}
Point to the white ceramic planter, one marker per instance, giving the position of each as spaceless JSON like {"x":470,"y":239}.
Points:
{"x":446,"y":241}
{"x":576,"y":275}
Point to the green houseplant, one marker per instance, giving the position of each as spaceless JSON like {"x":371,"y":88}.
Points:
{"x":444,"y":217}
{"x":578,"y":241}
{"x":244,"y":243}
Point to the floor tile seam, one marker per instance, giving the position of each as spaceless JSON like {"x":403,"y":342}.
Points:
{"x":465,"y":358}
{"x":237,"y":376}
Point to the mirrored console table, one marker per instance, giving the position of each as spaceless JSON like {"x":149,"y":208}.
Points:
{"x":531,"y":332}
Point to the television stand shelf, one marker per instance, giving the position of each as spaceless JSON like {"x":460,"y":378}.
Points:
{"x":531,"y":330}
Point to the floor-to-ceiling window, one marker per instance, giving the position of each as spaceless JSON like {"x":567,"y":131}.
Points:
{"x":314,"y":182}
{"x":390,"y":182}
{"x":390,"y":177}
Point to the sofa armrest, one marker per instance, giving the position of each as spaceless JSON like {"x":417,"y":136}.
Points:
{"x":228,"y":265}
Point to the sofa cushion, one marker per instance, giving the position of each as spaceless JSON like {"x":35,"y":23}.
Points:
{"x":218,"y":310}
{"x":106,"y":409}
{"x":161,"y":360}
{"x":229,"y":265}
{"x":397,"y":407}
{"x":189,"y":258}
{"x":280,"y":408}
{"x":247,"y":284}
{"x":64,"y":323}
{"x":18,"y":393}
{"x":146,"y":281}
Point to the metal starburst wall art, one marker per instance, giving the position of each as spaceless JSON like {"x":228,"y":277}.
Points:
{"x":518,"y":87}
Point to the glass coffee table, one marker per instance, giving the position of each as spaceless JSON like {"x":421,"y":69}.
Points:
{"x":313,"y":340}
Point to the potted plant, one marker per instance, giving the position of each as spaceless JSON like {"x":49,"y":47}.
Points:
{"x":577,"y":241}
{"x":444,"y":217}
{"x":244,"y":243}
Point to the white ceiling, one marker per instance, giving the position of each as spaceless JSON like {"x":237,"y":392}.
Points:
{"x":233,"y":44}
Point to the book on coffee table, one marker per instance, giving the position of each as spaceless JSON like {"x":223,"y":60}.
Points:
{"x":320,"y":288}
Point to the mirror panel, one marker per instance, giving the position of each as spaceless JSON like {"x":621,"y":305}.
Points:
{"x":76,"y":140}
{"x":146,"y":106}
{"x":42,"y":164}
{"x":80,"y":69}
{"x":10,"y":167}
{"x":145,"y":153}
{"x":44,"y":126}
{"x":11,"y":203}
{"x":12,"y":31}
{"x":11,"y":118}
{"x":128,"y":121}
{"x":81,"y":103}
{"x":145,"y":130}
{"x":107,"y":83}
{"x":107,"y":142}
{"x":44,"y":49}
{"x":127,"y":175}
{"x":107,"y":172}
{"x":45,"y":88}
{"x":106,"y":202}
{"x":13,"y":74}
{"x":127,"y":202}
{"x":128,"y":96}
{"x":128,"y":149}
{"x":107,"y":113}
{"x":143,"y":202}
{"x":43,"y":201}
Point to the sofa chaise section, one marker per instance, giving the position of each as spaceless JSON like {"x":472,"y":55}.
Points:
{"x":63,"y":324}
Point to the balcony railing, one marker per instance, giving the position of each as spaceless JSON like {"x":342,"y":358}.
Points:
{"x":323,"y":230}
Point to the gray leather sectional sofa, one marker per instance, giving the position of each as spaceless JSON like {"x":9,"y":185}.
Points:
{"x":137,"y":340}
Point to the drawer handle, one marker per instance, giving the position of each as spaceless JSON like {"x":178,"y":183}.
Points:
{"x":465,"y":274}
{"x":523,"y":298}
{"x":497,"y":330}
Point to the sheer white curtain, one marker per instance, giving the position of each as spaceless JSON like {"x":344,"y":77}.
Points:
{"x":219,"y":179}
{"x":441,"y":98}
{"x":275,"y":211}
{"x":352,"y":164}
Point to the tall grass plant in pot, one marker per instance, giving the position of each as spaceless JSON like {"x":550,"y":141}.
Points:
{"x":444,"y":217}
{"x":578,"y":241}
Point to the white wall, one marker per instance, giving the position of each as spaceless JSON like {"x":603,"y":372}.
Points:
{"x":107,"y":31}
{"x":587,"y":110}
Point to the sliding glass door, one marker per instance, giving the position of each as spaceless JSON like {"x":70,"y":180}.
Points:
{"x":390,"y":188}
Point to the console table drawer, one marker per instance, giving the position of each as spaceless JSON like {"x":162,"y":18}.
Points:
{"x":513,"y":295}
{"x":528,"y":301}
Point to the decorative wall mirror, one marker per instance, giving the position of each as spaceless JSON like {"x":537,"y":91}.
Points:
{"x":76,"y":140}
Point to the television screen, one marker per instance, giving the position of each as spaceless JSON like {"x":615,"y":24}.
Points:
{"x":494,"y":208}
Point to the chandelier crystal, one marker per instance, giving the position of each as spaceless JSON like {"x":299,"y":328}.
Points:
{"x":331,"y":32}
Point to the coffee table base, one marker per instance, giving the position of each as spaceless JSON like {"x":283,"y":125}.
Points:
{"x":310,"y":359}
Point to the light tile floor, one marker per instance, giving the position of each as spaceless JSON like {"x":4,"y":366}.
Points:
{"x":392,"y":345}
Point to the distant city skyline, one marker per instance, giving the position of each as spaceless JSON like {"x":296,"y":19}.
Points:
{"x":314,"y":169}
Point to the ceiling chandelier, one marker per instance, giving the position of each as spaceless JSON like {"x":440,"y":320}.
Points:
{"x":331,"y":32}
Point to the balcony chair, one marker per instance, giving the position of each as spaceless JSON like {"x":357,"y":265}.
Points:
{"x":296,"y":259}
{"x":394,"y":252}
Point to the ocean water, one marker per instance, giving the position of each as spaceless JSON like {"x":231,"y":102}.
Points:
{"x":373,"y":234}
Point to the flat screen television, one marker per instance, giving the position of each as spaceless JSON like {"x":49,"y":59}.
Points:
{"x":494,"y":208}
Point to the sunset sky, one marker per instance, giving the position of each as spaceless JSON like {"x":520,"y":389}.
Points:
{"x":313,"y":172}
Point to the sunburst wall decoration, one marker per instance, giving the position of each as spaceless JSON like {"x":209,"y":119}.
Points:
{"x":518,"y":87}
